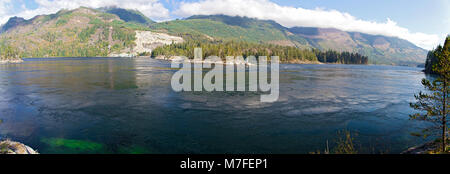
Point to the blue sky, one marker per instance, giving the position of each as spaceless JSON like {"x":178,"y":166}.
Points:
{"x":423,"y":22}
{"x":429,"y":16}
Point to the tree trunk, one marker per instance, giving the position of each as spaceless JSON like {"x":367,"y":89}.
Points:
{"x":444,"y":115}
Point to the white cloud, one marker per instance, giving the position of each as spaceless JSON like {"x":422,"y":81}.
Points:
{"x":262,"y":9}
{"x":291,"y":16}
{"x":4,"y":5}
{"x":151,"y":8}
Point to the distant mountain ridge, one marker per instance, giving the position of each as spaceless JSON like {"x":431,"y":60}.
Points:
{"x":112,"y":29}
{"x":380,"y":49}
{"x":12,"y":23}
{"x":128,"y":15}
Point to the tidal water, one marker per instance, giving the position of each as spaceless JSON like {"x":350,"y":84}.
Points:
{"x":121,"y":105}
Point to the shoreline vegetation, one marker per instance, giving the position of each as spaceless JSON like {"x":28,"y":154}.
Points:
{"x":180,"y":59}
{"x":434,"y":104}
{"x":287,"y":54}
{"x":9,"y":54}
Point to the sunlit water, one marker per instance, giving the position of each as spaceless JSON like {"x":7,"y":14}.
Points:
{"x":105,"y":105}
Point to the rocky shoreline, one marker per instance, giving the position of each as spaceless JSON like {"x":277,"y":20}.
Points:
{"x":12,"y":147}
{"x":7,"y":61}
{"x":423,"y":149}
{"x":180,"y":59}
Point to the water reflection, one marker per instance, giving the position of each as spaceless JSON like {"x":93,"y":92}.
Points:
{"x":128,"y":106}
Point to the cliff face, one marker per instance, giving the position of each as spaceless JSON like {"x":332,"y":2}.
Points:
{"x":146,"y":41}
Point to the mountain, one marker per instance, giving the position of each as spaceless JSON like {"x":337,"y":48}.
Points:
{"x":380,"y":49}
{"x":82,"y":32}
{"x":86,"y":32}
{"x":226,"y":28}
{"x":128,"y":15}
{"x":13,"y":23}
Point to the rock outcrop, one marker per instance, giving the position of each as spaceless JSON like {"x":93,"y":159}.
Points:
{"x":11,"y":147}
{"x":146,"y":41}
{"x":422,"y":149}
{"x":5,"y":61}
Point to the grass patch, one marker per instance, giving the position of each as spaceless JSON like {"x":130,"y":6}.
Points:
{"x":61,"y":145}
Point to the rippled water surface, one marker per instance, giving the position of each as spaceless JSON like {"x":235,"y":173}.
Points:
{"x":104,"y":105}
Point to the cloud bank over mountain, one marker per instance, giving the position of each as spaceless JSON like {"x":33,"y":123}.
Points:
{"x":151,"y":8}
{"x":291,"y":16}
{"x":261,"y":9}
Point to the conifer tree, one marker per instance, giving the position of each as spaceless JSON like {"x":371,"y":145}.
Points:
{"x":435,"y":104}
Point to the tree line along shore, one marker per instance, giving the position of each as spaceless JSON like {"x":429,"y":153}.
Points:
{"x":287,"y":54}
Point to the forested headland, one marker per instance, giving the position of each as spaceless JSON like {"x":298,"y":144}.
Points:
{"x":8,"y":53}
{"x":287,"y":54}
{"x":433,"y":104}
{"x":432,"y":58}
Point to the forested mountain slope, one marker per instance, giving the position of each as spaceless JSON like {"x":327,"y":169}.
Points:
{"x":82,"y":32}
{"x":86,"y":32}
{"x":379,"y":49}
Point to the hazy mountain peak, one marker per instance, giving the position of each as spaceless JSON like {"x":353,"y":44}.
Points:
{"x":128,"y":15}
{"x":236,"y":20}
{"x":12,"y":23}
